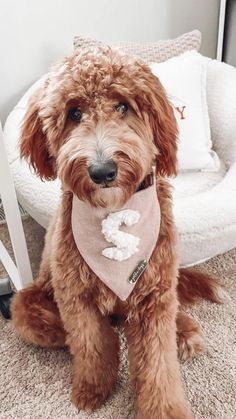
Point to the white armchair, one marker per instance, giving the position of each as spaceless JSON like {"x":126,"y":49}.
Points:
{"x":204,"y":202}
{"x":206,"y":219}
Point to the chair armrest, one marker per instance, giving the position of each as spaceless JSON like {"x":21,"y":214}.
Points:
{"x":221,"y":99}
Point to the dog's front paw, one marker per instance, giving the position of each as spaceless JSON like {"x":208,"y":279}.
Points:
{"x":165,"y":415}
{"x":168,"y":410}
{"x":88,"y":396}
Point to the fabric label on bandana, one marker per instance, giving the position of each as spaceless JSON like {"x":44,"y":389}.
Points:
{"x":118,"y":245}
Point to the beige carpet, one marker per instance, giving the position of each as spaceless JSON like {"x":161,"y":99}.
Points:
{"x":35,"y":383}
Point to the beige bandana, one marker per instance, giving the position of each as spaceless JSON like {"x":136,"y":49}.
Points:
{"x":118,"y":245}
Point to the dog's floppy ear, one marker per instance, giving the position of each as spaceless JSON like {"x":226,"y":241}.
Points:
{"x":33,"y":141}
{"x":164,"y":127}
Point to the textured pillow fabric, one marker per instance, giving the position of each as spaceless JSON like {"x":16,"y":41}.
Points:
{"x":184,"y":79}
{"x":150,"y":51}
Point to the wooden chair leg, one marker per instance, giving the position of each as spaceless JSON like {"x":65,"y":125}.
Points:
{"x":20,"y":273}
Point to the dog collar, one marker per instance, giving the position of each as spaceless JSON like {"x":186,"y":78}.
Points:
{"x":118,"y":245}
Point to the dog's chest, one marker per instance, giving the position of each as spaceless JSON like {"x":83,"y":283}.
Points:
{"x":117,"y":246}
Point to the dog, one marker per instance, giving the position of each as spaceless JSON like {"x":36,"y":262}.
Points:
{"x":102,"y":123}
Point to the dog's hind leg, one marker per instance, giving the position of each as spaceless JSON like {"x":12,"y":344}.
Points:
{"x":34,"y":312}
{"x":193,"y":285}
{"x":36,"y":317}
{"x":189,"y":337}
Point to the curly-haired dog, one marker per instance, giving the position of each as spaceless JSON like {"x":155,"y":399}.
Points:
{"x":100,"y":123}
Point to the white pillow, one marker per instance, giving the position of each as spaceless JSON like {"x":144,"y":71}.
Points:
{"x":184,"y":79}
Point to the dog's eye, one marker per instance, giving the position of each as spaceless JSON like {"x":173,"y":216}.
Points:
{"x":122,"y":108}
{"x":75,"y":114}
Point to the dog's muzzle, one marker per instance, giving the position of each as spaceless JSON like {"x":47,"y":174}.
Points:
{"x":103,"y":172}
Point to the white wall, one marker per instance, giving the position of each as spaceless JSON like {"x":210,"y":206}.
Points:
{"x":35,"y":33}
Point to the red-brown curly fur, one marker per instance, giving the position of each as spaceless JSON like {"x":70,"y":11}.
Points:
{"x":67,"y":304}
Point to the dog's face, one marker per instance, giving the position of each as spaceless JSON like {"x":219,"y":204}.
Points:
{"x":100,"y":123}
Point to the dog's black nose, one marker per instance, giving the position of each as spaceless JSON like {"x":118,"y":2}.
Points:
{"x":103,"y":172}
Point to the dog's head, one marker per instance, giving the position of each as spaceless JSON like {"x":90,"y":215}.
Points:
{"x":99,"y":123}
